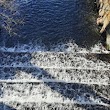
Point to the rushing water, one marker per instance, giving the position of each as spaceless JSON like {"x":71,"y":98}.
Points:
{"x":53,"y":25}
{"x":49,"y":23}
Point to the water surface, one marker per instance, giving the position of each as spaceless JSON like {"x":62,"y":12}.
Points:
{"x":48,"y":23}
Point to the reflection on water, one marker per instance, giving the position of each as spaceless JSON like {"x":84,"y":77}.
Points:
{"x":50,"y":22}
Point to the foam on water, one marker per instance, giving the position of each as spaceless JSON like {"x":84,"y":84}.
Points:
{"x":68,"y":47}
{"x":43,"y":92}
{"x":22,"y":48}
{"x":19,"y":88}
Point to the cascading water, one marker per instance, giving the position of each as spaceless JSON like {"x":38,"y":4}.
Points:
{"x":54,"y":60}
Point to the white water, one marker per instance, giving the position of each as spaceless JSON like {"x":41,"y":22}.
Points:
{"x":20,"y":90}
{"x":69,"y":47}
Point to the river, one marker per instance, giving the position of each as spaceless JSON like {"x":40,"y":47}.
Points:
{"x":53,"y":25}
{"x":65,"y":72}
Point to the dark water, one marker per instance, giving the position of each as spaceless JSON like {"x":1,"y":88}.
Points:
{"x":50,"y":22}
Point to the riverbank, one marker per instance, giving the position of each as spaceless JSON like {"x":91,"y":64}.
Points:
{"x":103,"y":12}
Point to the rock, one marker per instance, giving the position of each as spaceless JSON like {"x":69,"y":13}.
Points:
{"x":108,"y":41}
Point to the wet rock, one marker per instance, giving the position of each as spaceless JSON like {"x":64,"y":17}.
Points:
{"x":108,"y":38}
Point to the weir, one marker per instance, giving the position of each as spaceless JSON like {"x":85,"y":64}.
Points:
{"x":56,"y":60}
